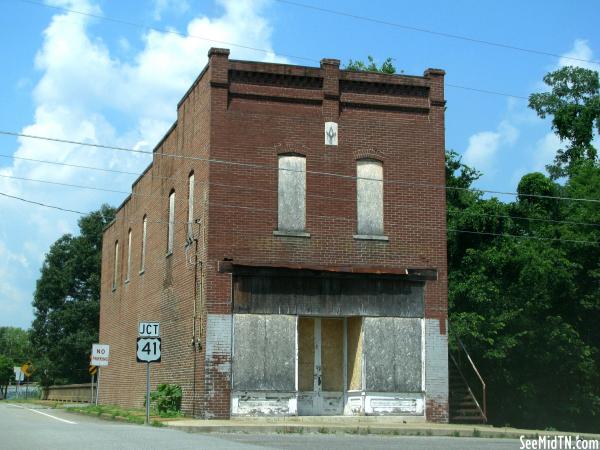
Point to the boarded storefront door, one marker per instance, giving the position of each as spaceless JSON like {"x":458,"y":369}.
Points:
{"x":320,"y":366}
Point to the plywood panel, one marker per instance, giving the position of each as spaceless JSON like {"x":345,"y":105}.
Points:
{"x":306,"y":353}
{"x":355,"y":346}
{"x":264,"y":352}
{"x":393,"y":354}
{"x":332,"y":354}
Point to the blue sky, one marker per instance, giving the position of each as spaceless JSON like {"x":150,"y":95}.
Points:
{"x":76,"y":77}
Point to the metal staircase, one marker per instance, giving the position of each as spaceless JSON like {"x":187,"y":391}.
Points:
{"x":467,"y":388}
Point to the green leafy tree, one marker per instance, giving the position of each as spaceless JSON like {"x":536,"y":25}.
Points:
{"x":529,"y":309}
{"x":66,"y":301}
{"x":371,"y":66}
{"x":574,"y":105}
{"x":6,"y":373}
{"x":15,"y":344}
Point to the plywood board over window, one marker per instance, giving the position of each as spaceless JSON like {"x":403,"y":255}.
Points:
{"x":264,"y":352}
{"x":393,"y":354}
{"x":332,"y":355}
{"x":306,"y":354}
{"x":369,"y":197}
{"x":291,"y":207}
{"x":355,"y":348}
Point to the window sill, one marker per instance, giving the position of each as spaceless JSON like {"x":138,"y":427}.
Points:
{"x":371,"y":237}
{"x":300,"y":234}
{"x":114,"y":288}
{"x":142,"y":272}
{"x":127,"y":281}
{"x":168,"y":255}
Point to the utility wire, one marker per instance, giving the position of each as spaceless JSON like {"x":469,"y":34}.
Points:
{"x":269,"y":52}
{"x":313,"y":172}
{"x":41,"y":204}
{"x":536,"y":238}
{"x":432,"y":32}
{"x":330,"y":217}
{"x":309,"y":195}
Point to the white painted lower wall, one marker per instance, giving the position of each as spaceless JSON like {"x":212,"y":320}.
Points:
{"x":264,"y":404}
{"x":273,"y":404}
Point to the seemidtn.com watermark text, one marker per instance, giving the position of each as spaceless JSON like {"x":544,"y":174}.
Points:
{"x":559,"y":442}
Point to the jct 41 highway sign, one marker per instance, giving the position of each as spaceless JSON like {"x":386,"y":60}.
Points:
{"x":148,"y":349}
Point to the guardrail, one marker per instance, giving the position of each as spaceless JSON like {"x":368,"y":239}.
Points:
{"x":69,"y":393}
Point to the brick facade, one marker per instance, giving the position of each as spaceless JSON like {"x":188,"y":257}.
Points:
{"x":231,"y":126}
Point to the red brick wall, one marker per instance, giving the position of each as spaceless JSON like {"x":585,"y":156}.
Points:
{"x":248,"y":113}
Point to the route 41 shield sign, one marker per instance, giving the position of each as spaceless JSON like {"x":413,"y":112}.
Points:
{"x":148,"y":349}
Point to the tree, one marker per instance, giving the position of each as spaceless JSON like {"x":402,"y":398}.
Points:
{"x":15,"y":344}
{"x":359,"y":66}
{"x":6,"y":374}
{"x":66,"y":301}
{"x":574,"y":104}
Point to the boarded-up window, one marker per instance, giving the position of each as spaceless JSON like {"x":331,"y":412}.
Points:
{"x":171,"y":224}
{"x":292,"y":193}
{"x":264,"y":352}
{"x":392,"y":354}
{"x":128,"y":256}
{"x":369,"y":197}
{"x":116,"y":266}
{"x":190,"y":224}
{"x":355,"y":348}
{"x":143,"y":251}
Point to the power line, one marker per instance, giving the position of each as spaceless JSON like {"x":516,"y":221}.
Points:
{"x":312,"y":172}
{"x":329,"y":217}
{"x":432,"y":32}
{"x":269,"y":52}
{"x":534,"y":219}
{"x":311,"y":195}
{"x":45,"y":205}
{"x":536,"y":238}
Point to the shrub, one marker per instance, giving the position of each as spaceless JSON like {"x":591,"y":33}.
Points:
{"x":167,"y":399}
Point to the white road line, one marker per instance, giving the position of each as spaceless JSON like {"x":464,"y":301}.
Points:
{"x":46,"y":414}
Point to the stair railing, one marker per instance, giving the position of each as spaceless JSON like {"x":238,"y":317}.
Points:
{"x":483,"y":407}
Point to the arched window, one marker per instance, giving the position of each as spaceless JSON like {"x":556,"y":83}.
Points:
{"x":171,"y":223}
{"x":291,"y":208}
{"x":143,"y":250}
{"x":190,"y":221}
{"x":369,"y":197}
{"x":128,"y":256}
{"x":116,"y":266}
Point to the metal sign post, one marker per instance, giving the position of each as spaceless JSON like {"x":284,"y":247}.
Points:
{"x":147,"y":393}
{"x":100,"y":356}
{"x":97,"y":385}
{"x":148,"y":350}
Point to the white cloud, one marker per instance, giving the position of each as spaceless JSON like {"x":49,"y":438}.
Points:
{"x":84,"y":86}
{"x":580,"y":51}
{"x":483,"y":147}
{"x":177,"y":6}
{"x":545,"y":151}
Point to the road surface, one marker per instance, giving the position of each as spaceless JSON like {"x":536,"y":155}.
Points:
{"x":29,"y":427}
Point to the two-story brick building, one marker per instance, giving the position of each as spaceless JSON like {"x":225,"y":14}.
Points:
{"x":290,"y":237}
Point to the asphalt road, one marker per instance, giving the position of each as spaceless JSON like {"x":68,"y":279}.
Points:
{"x":31,"y":426}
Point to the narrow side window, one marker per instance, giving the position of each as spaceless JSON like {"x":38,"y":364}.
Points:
{"x":116,"y":266}
{"x":171,"y":224}
{"x":291,"y":208}
{"x":143,"y":251}
{"x":128,"y":256}
{"x":369,"y":197}
{"x":190,"y":221}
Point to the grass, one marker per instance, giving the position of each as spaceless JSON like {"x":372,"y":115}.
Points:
{"x":131,"y":415}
